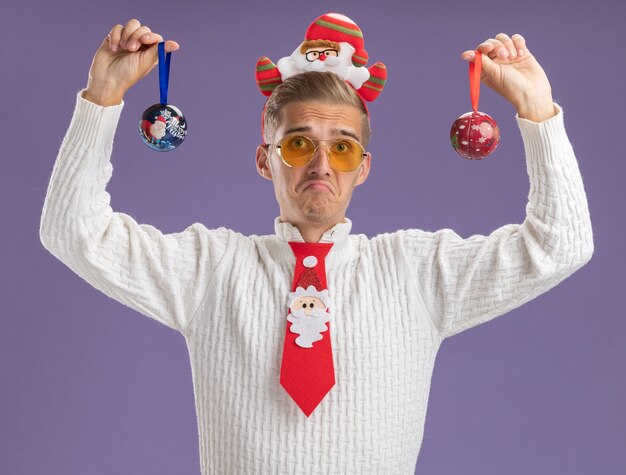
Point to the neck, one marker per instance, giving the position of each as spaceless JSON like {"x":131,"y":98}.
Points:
{"x":312,"y":234}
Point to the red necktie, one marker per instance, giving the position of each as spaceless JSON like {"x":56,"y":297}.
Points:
{"x":307,"y":372}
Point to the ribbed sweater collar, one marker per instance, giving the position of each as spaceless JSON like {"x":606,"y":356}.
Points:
{"x":286,"y":232}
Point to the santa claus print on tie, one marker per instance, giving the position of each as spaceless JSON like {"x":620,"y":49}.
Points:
{"x":309,"y":314}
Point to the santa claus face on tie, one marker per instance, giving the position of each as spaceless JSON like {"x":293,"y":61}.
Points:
{"x":306,"y":305}
{"x":308,"y":316}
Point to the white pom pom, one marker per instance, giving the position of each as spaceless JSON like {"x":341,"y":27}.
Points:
{"x":310,"y":261}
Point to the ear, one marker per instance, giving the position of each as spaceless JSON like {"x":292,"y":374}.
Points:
{"x":364,"y":170}
{"x":263,"y":162}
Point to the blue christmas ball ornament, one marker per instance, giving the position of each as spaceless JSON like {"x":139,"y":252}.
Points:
{"x":162,"y":127}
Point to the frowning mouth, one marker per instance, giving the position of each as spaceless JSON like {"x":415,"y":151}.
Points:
{"x":318,"y":185}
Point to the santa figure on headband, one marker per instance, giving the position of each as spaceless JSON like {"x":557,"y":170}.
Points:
{"x":332,"y":43}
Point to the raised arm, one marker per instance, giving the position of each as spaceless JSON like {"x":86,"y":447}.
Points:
{"x":162,"y":276}
{"x":465,"y":282}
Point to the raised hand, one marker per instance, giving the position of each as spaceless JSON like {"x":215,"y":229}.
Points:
{"x":127,"y":54}
{"x":511,"y":70}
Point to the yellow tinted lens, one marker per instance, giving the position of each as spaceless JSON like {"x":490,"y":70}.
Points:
{"x":346,"y":155}
{"x":296,"y":151}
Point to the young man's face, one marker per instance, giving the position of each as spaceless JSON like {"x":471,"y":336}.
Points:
{"x":315,"y":193}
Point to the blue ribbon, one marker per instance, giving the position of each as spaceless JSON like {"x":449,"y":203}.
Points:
{"x":164,"y":71}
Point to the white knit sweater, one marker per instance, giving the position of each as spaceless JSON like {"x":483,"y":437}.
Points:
{"x":395,"y":297}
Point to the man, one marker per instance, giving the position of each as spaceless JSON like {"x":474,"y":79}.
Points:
{"x":394,"y":298}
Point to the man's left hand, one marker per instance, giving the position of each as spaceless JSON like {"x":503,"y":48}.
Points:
{"x":510,"y":69}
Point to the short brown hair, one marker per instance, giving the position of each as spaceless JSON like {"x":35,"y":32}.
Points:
{"x":325,"y":87}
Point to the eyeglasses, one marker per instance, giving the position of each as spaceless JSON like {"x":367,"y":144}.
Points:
{"x":313,"y":55}
{"x":345,"y":155}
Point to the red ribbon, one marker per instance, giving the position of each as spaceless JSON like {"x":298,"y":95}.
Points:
{"x":474,"y":78}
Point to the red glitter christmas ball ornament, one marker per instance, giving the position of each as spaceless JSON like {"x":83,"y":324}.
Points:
{"x":475,"y":134}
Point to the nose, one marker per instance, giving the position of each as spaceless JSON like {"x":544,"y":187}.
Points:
{"x":321,"y":161}
{"x":322,"y":56}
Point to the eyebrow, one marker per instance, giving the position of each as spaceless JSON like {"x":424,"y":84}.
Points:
{"x":306,"y":128}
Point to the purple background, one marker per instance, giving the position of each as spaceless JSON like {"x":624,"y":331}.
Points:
{"x":90,"y":386}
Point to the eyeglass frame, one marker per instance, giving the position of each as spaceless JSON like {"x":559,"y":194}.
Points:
{"x":316,"y":144}
{"x":306,"y":55}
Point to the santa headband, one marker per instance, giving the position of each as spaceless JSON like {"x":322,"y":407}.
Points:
{"x":332,"y":43}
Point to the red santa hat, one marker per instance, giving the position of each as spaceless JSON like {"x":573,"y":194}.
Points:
{"x":309,"y":275}
{"x":339,"y":28}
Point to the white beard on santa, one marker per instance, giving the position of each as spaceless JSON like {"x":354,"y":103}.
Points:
{"x":309,"y":327}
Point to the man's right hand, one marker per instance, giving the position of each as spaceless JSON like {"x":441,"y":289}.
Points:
{"x":126,"y":55}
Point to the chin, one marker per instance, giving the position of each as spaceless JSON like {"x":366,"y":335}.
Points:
{"x":316,"y":213}
{"x":320,"y":214}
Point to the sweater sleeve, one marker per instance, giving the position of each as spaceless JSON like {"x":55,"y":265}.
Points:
{"x":163,"y":276}
{"x":466,"y":282}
